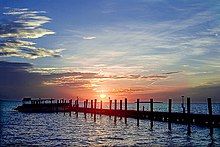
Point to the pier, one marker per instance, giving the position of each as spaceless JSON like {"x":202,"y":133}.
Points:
{"x":187,"y":118}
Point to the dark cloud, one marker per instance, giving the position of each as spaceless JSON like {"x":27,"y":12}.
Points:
{"x":172,"y":72}
{"x":21,"y":24}
{"x":17,"y":81}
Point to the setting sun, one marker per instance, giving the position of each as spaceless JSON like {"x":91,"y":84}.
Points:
{"x":102,"y":96}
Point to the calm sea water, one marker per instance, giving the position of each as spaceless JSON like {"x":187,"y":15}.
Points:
{"x":64,"y":130}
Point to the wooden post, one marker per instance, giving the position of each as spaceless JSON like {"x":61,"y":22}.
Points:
{"x":126,"y":103}
{"x":70,"y":108}
{"x":188,"y":116}
{"x":115,"y":118}
{"x":115,"y":104}
{"x":169,"y":110}
{"x":101,"y":105}
{"x":120,"y":104}
{"x":95,"y":103}
{"x":86,"y":103}
{"x":138,"y":112}
{"x":77,"y":106}
{"x":210,"y":115}
{"x":110,"y":105}
{"x":138,"y":105}
{"x":151,"y":110}
{"x":91,"y":104}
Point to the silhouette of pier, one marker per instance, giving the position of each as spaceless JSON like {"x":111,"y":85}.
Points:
{"x":186,"y":118}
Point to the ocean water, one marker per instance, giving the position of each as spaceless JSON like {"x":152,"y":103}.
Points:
{"x":51,"y":129}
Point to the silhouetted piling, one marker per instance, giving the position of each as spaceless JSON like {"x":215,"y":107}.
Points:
{"x":110,"y":104}
{"x":210,"y":115}
{"x":86,"y":103}
{"x":115,"y":118}
{"x":169,"y":110}
{"x":151,"y":110}
{"x":70,"y":103}
{"x":91,"y":104}
{"x":77,"y":107}
{"x":126,"y":107}
{"x":188,"y":116}
{"x":138,"y":112}
{"x":120,"y":104}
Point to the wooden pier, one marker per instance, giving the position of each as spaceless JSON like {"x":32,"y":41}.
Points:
{"x":188,"y":118}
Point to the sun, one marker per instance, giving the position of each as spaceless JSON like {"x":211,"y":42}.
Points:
{"x":102,"y":96}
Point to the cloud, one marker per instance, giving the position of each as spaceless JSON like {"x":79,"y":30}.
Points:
{"x":89,"y":37}
{"x":172,"y":72}
{"x":25,"y":24}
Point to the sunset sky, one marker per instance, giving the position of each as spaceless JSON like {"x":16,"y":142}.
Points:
{"x":117,"y":48}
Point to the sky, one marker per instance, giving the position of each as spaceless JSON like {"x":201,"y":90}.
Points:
{"x":117,"y":48}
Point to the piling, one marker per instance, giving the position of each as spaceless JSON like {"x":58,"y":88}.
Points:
{"x":151,"y":117}
{"x":126,"y":104}
{"x":101,"y":105}
{"x":115,"y":104}
{"x":110,"y":105}
{"x":86,"y":103}
{"x":91,"y":104}
{"x":120,"y":104}
{"x":188,"y":116}
{"x":138,"y":112}
{"x":115,"y":118}
{"x":210,"y":115}
{"x":126,"y":107}
{"x":169,"y":110}
{"x":70,"y":103}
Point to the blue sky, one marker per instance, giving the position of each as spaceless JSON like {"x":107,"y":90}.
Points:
{"x":135,"y":47}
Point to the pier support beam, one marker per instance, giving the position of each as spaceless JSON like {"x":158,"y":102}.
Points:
{"x":188,"y":116}
{"x":151,"y":115}
{"x":101,"y":105}
{"x":115,"y":118}
{"x":138,"y":115}
{"x":170,"y":111}
{"x":110,"y":105}
{"x":126,"y":108}
{"x":120,"y":107}
{"x":210,"y":115}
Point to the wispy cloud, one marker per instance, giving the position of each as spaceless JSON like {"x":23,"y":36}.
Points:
{"x":24,"y":24}
{"x":89,"y":37}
